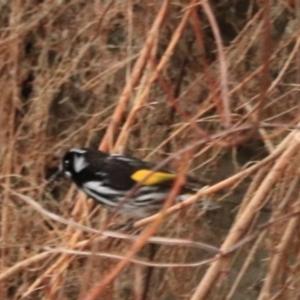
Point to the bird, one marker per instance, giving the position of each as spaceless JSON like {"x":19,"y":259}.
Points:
{"x":110,"y":180}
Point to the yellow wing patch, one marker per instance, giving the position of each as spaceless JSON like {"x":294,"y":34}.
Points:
{"x":154,"y":178}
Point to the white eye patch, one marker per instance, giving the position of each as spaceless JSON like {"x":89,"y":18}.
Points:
{"x":68,"y":174}
{"x":79,"y":163}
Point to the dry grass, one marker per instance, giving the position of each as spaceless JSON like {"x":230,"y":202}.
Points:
{"x":207,"y":88}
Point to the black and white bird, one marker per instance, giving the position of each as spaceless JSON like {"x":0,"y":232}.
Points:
{"x":110,"y":178}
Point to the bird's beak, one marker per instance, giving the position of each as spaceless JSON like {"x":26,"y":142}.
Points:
{"x":58,"y":174}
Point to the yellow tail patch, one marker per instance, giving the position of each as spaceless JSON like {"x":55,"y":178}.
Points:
{"x":154,"y":178}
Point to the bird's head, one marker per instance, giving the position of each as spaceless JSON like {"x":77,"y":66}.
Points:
{"x":73,"y":162}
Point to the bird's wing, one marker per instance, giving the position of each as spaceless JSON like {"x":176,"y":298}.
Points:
{"x":124,"y":172}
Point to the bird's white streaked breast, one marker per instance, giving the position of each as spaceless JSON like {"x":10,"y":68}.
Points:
{"x":98,"y":188}
{"x":152,"y":196}
{"x":102,"y":200}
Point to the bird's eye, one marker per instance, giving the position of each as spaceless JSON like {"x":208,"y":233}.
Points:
{"x":66,"y":162}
